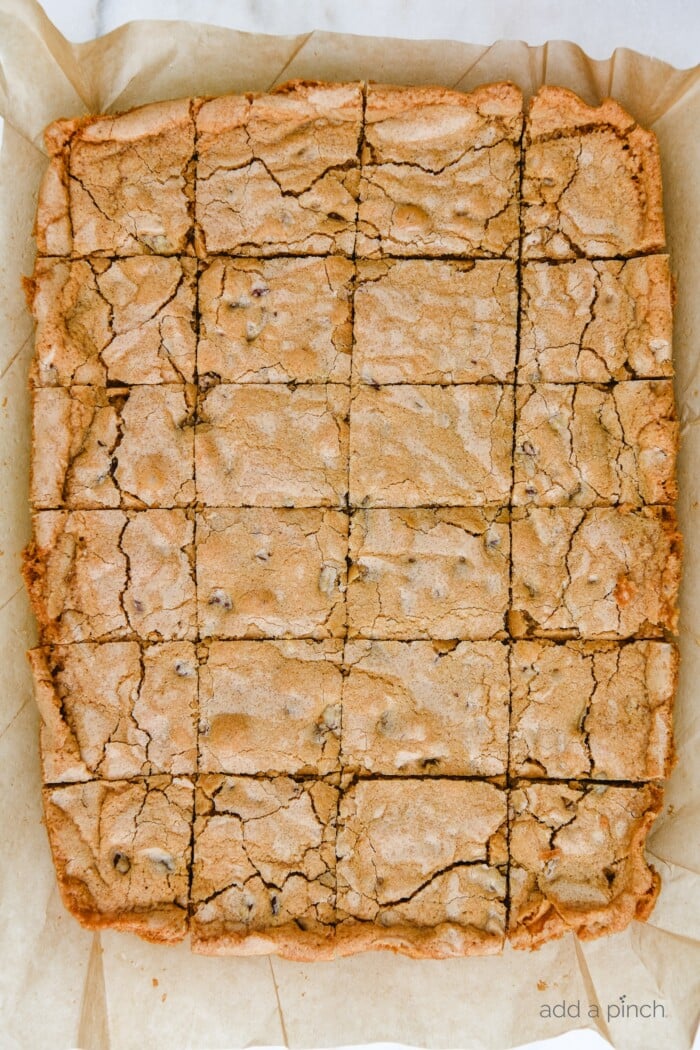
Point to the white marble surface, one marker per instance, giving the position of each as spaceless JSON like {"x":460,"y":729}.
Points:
{"x":667,"y":29}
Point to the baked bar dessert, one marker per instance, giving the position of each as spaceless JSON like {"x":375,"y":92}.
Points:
{"x":355,"y":560}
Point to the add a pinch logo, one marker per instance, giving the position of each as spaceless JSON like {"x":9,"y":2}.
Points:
{"x":618,"y":1009}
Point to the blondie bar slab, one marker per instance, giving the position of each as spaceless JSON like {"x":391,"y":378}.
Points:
{"x":440,"y":172}
{"x":595,"y":321}
{"x":586,"y":445}
{"x":119,"y":185}
{"x":122,"y":853}
{"x":270,"y":707}
{"x":112,"y":322}
{"x":278,"y":173}
{"x":577,"y":860}
{"x":438,"y":708}
{"x":596,"y":711}
{"x":422,"y":867}
{"x":271,"y":573}
{"x":102,"y":575}
{"x":428,"y":573}
{"x":119,"y":447}
{"x":264,"y":867}
{"x":117,"y":710}
{"x":270,"y":445}
{"x":275,"y":320}
{"x":413,"y":446}
{"x":435,"y":321}
{"x":591,"y":180}
{"x":606,"y":572}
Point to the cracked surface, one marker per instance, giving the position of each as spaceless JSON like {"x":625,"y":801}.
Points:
{"x":273,"y":446}
{"x":103,"y":575}
{"x":587,"y":445}
{"x":422,"y":867}
{"x":594,"y":711}
{"x":353,"y":477}
{"x":271,"y":573}
{"x":264,"y":867}
{"x":275,"y":320}
{"x":435,"y":321}
{"x":595,"y":321}
{"x":113,"y":321}
{"x":591,"y":181}
{"x":440,"y":172}
{"x":428,"y":573}
{"x":426,"y":707}
{"x":601,"y":573}
{"x":119,"y":447}
{"x":270,"y":707}
{"x":116,"y":710}
{"x":119,"y":185}
{"x":278,"y":174}
{"x":577,"y":860}
{"x":122,"y":852}
{"x":430,"y":446}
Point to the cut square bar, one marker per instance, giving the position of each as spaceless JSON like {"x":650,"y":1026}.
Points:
{"x":116,"y":710}
{"x":102,"y":575}
{"x":600,"y":711}
{"x":577,"y":860}
{"x":438,"y":708}
{"x":586,"y":445}
{"x":435,"y":321}
{"x":413,"y":446}
{"x":428,"y":573}
{"x":120,"y":447}
{"x":264,"y":867}
{"x":595,"y":321}
{"x":122,"y":853}
{"x":113,"y":322}
{"x":440,"y":172}
{"x":275,"y":320}
{"x":278,"y":174}
{"x":270,"y":707}
{"x":606,"y":572}
{"x":273,"y":446}
{"x":119,"y":185}
{"x":271,"y":573}
{"x":422,"y":867}
{"x":591,"y":181}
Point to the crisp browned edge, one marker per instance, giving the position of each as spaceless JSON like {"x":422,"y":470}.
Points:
{"x":52,"y":209}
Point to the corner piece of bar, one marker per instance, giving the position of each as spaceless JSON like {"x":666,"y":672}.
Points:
{"x":120,"y":184}
{"x":122,"y":853}
{"x":577,"y":860}
{"x":591,"y":181}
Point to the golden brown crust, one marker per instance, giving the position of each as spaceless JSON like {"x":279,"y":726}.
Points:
{"x":428,"y":573}
{"x":120,"y":321}
{"x":591,"y":181}
{"x":413,"y":446}
{"x":606,"y":572}
{"x":270,"y":445}
{"x":276,"y":494}
{"x":426,"y":858}
{"x":440,"y":172}
{"x":595,"y":321}
{"x":116,"y":710}
{"x":101,"y":196}
{"x":583,"y":445}
{"x":434,"y":321}
{"x":122,"y":853}
{"x":577,"y":860}
{"x":599,"y":711}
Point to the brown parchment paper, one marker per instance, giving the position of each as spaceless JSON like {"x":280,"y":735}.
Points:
{"x":61,"y":986}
